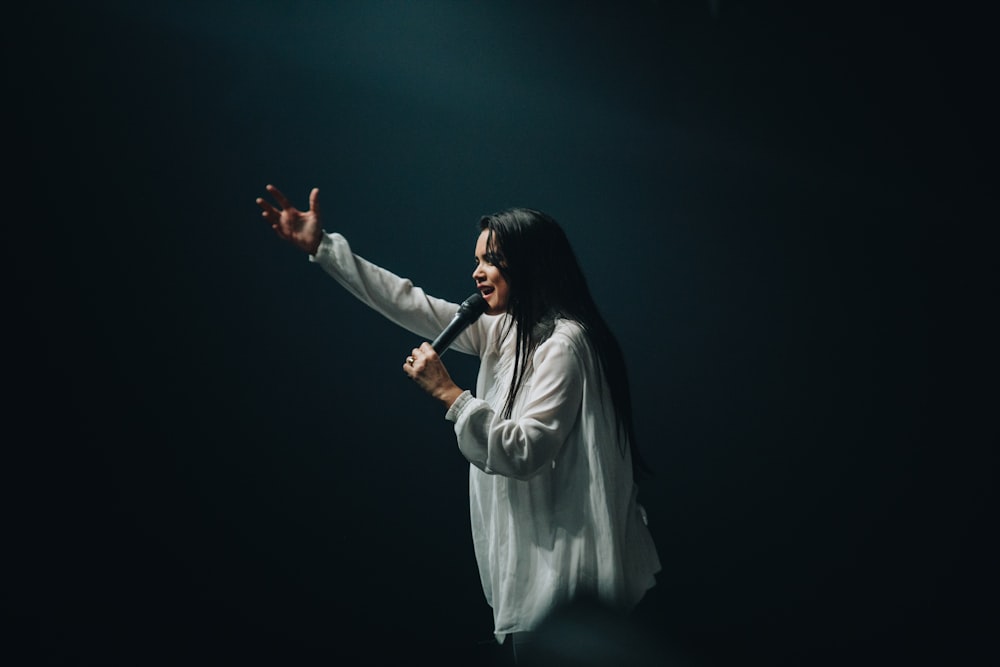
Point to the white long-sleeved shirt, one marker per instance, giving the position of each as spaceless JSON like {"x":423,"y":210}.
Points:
{"x":553,"y":504}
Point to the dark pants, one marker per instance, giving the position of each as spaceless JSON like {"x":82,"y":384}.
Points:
{"x":582,"y":635}
{"x":521,"y":647}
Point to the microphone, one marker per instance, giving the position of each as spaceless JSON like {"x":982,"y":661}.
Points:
{"x":468,"y":312}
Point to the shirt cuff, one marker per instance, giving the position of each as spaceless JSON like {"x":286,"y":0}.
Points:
{"x":325,"y":245}
{"x":456,"y":408}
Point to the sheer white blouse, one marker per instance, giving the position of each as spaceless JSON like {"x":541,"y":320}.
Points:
{"x":553,"y":506}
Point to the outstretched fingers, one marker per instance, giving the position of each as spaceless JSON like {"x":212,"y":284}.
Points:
{"x":291,"y":224}
{"x":269,"y":211}
{"x":279,"y":196}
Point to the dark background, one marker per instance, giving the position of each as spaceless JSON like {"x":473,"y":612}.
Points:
{"x":214,"y":457}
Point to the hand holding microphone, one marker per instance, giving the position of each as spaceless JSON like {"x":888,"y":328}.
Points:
{"x":424,"y":365}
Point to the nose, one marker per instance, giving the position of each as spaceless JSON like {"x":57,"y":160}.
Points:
{"x":478,"y":273}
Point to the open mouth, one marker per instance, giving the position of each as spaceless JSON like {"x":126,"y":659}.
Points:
{"x":485,"y":290}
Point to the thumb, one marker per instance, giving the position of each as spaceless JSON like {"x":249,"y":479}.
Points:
{"x":314,"y":201}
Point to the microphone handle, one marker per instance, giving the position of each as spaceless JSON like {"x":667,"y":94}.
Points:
{"x":468,"y":312}
{"x":449,"y":334}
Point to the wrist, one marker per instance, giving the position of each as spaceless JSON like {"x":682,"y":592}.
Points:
{"x":449,"y":395}
{"x":313,"y":247}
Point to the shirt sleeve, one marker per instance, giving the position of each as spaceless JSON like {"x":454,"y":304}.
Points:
{"x":396,"y":298}
{"x":546,"y":415}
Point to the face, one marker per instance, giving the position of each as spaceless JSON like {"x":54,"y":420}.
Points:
{"x":492,"y":285}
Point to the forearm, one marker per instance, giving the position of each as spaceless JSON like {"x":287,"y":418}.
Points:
{"x":516,"y":448}
{"x":543,"y":419}
{"x":394,"y":297}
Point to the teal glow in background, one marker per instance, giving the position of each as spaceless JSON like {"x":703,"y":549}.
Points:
{"x":217,"y":457}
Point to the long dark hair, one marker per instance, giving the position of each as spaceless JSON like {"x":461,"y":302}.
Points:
{"x":544,"y":278}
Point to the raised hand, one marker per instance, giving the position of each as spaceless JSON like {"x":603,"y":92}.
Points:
{"x":300,"y":228}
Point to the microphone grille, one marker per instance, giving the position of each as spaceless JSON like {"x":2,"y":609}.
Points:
{"x":474,"y":306}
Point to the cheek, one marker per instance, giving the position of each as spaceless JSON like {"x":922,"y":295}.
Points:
{"x":503,"y":289}
{"x":498,"y":281}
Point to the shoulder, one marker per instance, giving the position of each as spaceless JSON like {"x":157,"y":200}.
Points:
{"x":566,"y":336}
{"x":569,"y":331}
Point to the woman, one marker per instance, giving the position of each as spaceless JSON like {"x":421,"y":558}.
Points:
{"x":548,"y":431}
